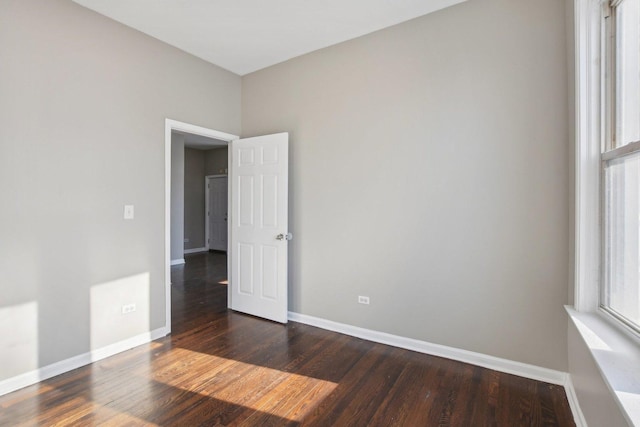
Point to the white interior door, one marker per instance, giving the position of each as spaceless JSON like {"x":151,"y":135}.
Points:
{"x":259,"y":226}
{"x":217,"y":213}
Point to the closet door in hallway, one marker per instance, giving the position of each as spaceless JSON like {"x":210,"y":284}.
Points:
{"x":217,"y":212}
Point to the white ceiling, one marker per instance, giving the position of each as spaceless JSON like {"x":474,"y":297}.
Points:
{"x":243,"y":36}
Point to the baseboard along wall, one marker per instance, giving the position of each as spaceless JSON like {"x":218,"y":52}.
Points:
{"x":525,"y":370}
{"x":574,"y":404}
{"x":486,"y":361}
{"x":195,"y":250}
{"x":49,"y":371}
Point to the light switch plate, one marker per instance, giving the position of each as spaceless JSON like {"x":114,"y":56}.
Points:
{"x":128,"y":211}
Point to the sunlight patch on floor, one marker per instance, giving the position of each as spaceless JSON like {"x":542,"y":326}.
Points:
{"x":267,"y":390}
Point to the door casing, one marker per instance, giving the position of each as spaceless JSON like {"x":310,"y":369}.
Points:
{"x":174,"y":125}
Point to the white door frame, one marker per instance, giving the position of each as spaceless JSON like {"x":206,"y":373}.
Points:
{"x":174,"y":125}
{"x":206,"y":209}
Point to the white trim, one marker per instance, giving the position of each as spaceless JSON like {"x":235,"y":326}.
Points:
{"x":617,"y":356}
{"x":490,"y":362}
{"x":28,"y":378}
{"x":177,"y":261}
{"x":588,"y":110}
{"x":574,"y":404}
{"x":199,"y":130}
{"x":617,"y":365}
{"x":625,"y":150}
{"x":230,"y":167}
{"x":170,"y":125}
{"x":195,"y":250}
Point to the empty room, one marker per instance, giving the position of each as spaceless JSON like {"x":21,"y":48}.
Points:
{"x":330,"y":213}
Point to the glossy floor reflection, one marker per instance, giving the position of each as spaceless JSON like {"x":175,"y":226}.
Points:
{"x":225,"y":368}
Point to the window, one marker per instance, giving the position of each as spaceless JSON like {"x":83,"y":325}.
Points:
{"x":607,"y":193}
{"x":620,"y":291}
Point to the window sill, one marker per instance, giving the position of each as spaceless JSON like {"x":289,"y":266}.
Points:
{"x":617,"y":356}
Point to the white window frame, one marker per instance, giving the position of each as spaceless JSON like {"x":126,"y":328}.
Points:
{"x":589,"y":113}
{"x":592,"y":116}
{"x":592,"y":108}
{"x":618,"y":365}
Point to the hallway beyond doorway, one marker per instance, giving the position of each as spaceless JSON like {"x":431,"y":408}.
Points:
{"x":198,"y":288}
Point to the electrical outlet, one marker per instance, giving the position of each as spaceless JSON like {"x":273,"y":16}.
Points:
{"x":363,"y":300}
{"x":128,"y":211}
{"x":128,"y":308}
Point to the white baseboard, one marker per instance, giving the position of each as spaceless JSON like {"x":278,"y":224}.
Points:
{"x":491,"y":362}
{"x":195,"y":250}
{"x":578,"y":416}
{"x":49,"y":371}
{"x":177,"y":261}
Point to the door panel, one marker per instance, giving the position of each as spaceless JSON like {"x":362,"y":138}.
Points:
{"x":270,"y":272}
{"x":245,"y":197}
{"x":245,"y":269}
{"x":270,"y":197}
{"x":259,"y":180}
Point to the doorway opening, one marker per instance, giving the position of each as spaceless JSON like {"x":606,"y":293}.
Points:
{"x":191,"y":153}
{"x":257,"y":230}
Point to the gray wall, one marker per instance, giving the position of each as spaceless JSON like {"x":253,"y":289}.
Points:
{"x":194,"y":198}
{"x":461,"y":240}
{"x":177,"y":196}
{"x":429,"y":172}
{"x":83,"y":102}
{"x":216,"y":161}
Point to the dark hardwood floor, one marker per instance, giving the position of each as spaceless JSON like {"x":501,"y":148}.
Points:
{"x":223,"y":368}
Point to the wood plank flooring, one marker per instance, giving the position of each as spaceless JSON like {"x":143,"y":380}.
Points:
{"x":222,"y":368}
